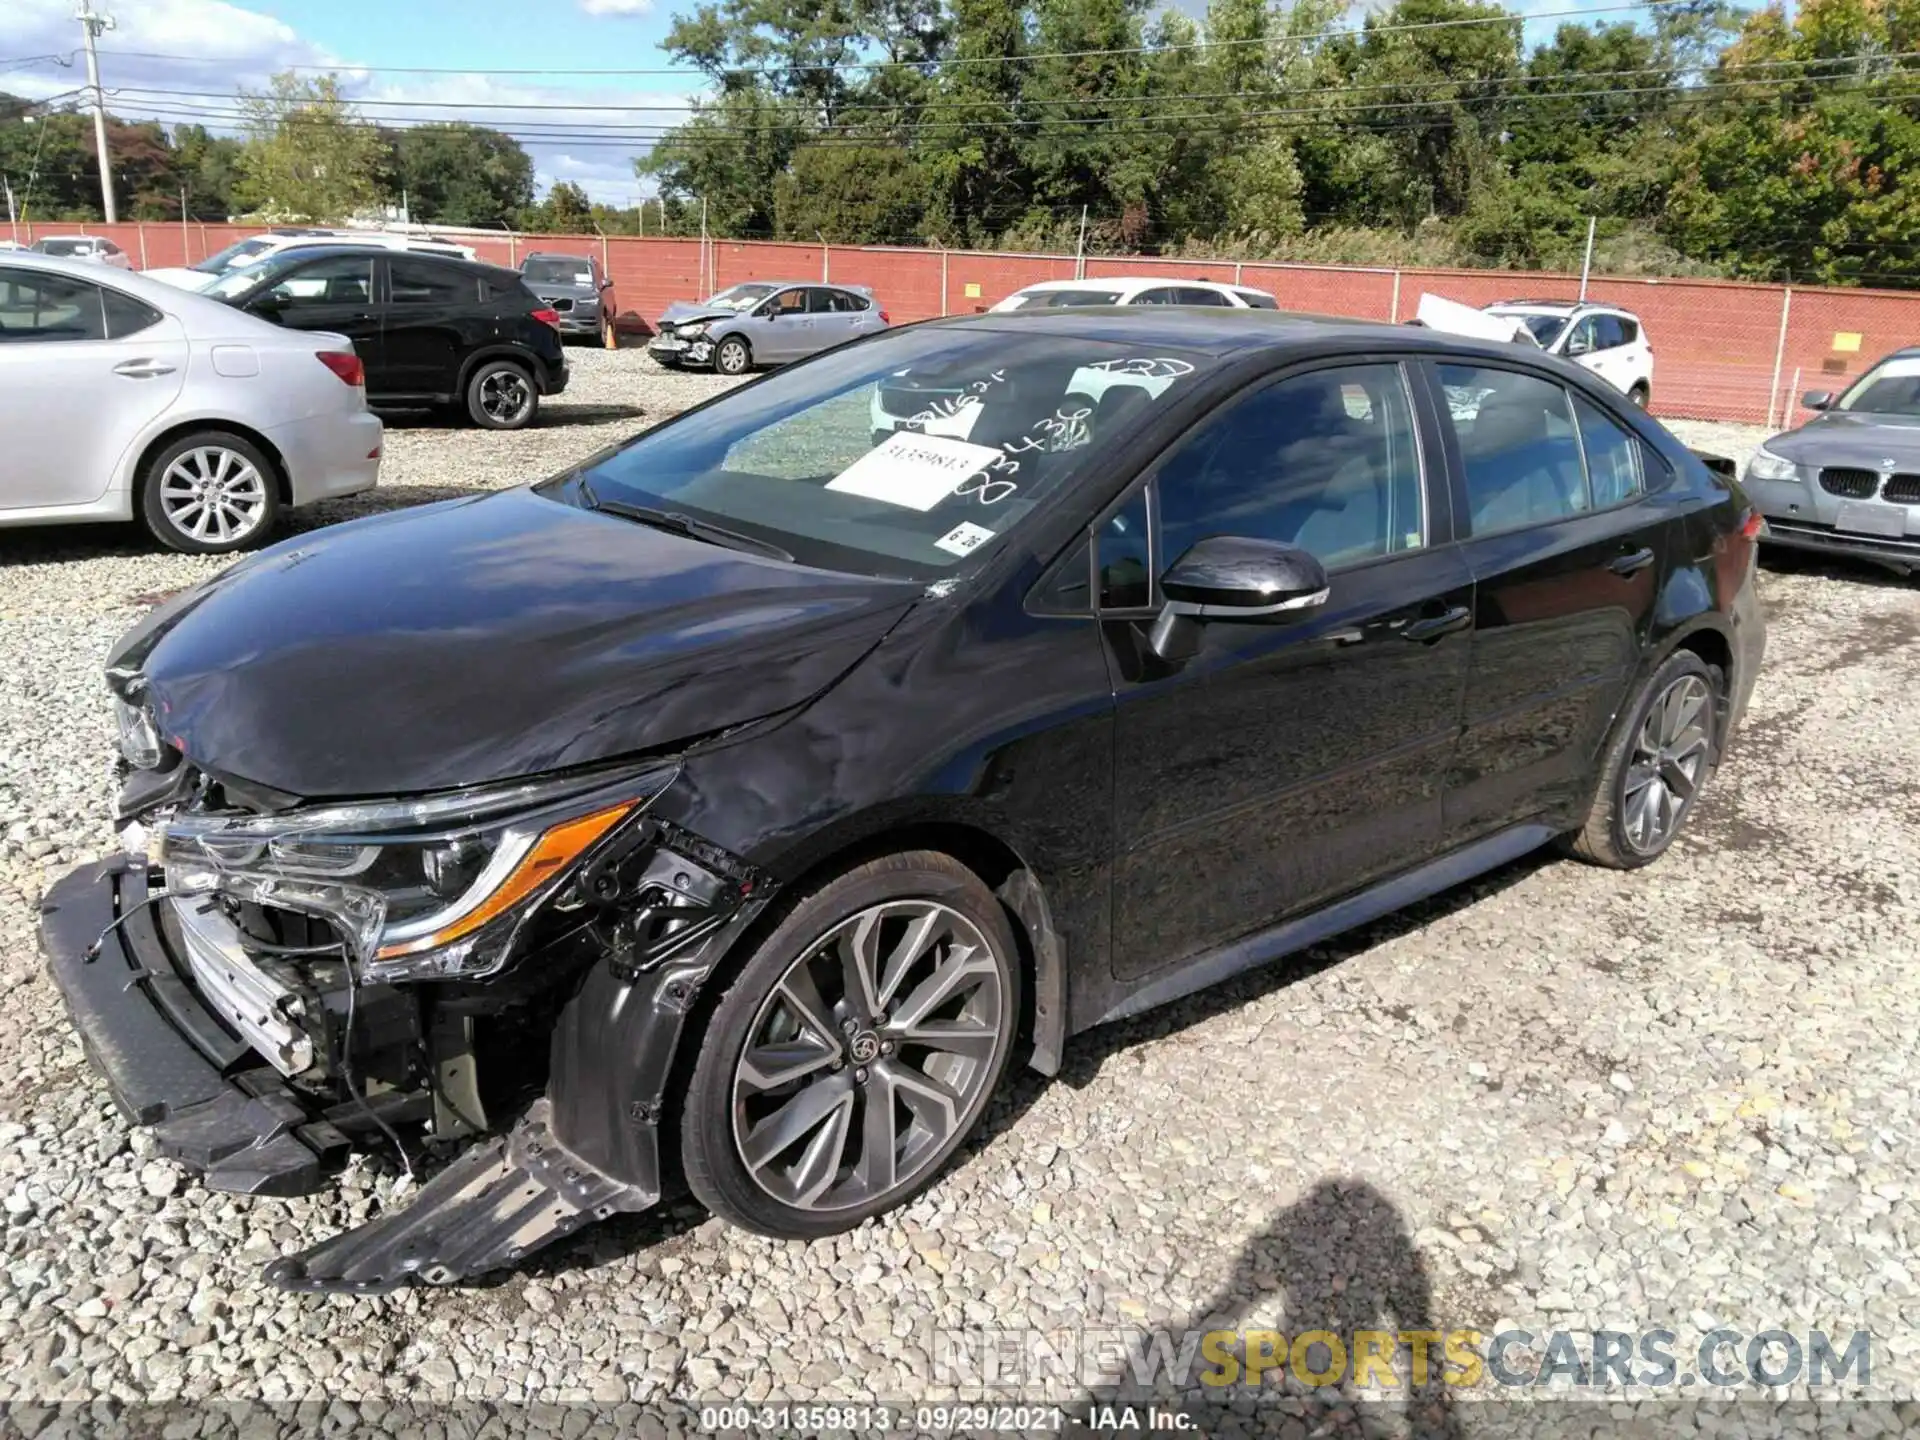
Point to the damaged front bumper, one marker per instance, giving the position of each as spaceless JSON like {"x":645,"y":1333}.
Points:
{"x":214,"y":1105}
{"x":588,"y":1149}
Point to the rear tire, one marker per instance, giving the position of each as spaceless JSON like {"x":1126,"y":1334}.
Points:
{"x":501,"y":395}
{"x":817,"y":1101}
{"x":210,"y":492}
{"x":1662,"y":752}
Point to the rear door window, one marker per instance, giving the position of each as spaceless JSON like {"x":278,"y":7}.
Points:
{"x":1194,"y":295}
{"x":37,"y":307}
{"x":1160,"y":295}
{"x":1613,"y":456}
{"x":1518,"y":447}
{"x":420,"y":282}
{"x":126,"y":315}
{"x":1607,"y":334}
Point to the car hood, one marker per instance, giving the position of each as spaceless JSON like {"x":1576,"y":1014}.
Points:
{"x":487,"y":639}
{"x":682,"y":311}
{"x":1868,"y":442}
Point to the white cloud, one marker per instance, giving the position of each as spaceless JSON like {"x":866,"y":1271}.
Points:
{"x":616,"y":7}
{"x":228,"y":48}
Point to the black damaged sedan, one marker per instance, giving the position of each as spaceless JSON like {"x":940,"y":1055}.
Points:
{"x":726,"y":813}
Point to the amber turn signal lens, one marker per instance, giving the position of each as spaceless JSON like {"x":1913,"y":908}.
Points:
{"x":556,"y":850}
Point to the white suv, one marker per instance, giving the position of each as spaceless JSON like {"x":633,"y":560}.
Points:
{"x":1604,"y":338}
{"x":255,"y":248}
{"x":1137,"y":290}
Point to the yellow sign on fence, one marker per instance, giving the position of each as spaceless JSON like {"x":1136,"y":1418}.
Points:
{"x":1847,"y":342}
{"x":973,"y":290}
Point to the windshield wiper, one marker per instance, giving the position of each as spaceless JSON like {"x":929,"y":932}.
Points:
{"x":676,"y":522}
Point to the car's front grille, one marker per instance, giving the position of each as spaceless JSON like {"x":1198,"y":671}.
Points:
{"x":1849,"y":483}
{"x":1902,"y":489}
{"x":560,"y":302}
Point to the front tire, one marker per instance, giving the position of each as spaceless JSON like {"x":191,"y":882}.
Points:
{"x":732,"y":356}
{"x":210,"y":493}
{"x":1662,"y":751}
{"x":855,"y":1051}
{"x":501,"y":395}
{"x":1641,"y":395}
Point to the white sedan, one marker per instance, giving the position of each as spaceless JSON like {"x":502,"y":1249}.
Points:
{"x":122,"y":398}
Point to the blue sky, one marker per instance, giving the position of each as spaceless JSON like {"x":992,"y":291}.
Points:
{"x":184,"y":59}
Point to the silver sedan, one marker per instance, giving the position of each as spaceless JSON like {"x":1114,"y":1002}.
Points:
{"x":764,"y":322}
{"x":122,"y":398}
{"x":1848,"y":481}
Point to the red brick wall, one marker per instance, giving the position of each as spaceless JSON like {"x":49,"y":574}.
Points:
{"x":1715,"y":342}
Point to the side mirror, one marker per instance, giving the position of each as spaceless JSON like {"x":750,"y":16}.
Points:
{"x":1817,"y":399}
{"x":1233,"y":577}
{"x":267,"y":307}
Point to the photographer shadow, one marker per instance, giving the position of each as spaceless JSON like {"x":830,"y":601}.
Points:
{"x":1341,"y":1261}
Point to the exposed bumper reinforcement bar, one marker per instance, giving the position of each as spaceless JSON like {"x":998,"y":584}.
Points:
{"x":166,"y":1059}
{"x":489,"y":1208}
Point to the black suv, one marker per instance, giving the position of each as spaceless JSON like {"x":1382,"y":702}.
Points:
{"x":729,"y":810}
{"x":430,"y":330}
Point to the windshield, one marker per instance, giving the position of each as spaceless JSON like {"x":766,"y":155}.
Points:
{"x":741,"y":297}
{"x":65,"y":247}
{"x":238,"y":253}
{"x":1545,"y":329}
{"x":901,"y":456}
{"x":560,"y":270}
{"x":1891,"y":388}
{"x":1058,"y":299}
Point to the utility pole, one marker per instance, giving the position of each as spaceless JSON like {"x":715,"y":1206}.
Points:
{"x":13,"y":215}
{"x":93,"y":24}
{"x":1586,"y":263}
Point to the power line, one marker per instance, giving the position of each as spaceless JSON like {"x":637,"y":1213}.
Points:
{"x":1360,"y":116}
{"x":937,"y":63}
{"x":1269,"y":92}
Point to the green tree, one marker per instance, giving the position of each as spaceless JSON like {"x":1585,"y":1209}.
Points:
{"x":208,"y":169}
{"x":309,"y":155}
{"x":851,"y":194}
{"x":1805,"y":182}
{"x":459,"y":174}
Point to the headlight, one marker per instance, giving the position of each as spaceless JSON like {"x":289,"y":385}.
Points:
{"x":139,"y":740}
{"x":692,"y":332}
{"x":421,"y":889}
{"x":1765,"y":465}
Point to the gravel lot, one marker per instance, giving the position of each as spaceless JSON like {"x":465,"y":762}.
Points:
{"x":1560,"y":1098}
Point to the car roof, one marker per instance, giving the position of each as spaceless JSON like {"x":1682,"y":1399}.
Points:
{"x":1220,"y":331}
{"x":1121,"y":282}
{"x":375,"y":251}
{"x":1559,"y":307}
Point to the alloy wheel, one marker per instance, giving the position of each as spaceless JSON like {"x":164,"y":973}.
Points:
{"x":731,"y":358}
{"x":505,"y":395}
{"x":874,"y":1049}
{"x":1668,"y":763}
{"x":213,"y":495}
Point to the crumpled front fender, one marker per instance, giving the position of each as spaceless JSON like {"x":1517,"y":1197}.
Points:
{"x":588,"y":1149}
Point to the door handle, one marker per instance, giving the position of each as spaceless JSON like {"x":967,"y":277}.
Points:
{"x":1631,"y":563}
{"x":1432,"y":627}
{"x":142,"y":369}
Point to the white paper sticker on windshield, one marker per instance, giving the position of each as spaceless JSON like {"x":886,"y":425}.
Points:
{"x":964,"y":538}
{"x":916,"y":472}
